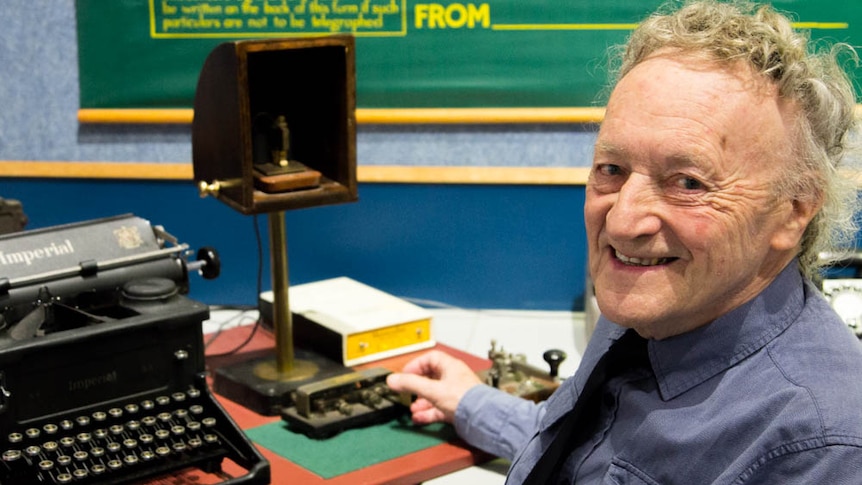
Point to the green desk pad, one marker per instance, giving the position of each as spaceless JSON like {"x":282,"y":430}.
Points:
{"x":353,"y":449}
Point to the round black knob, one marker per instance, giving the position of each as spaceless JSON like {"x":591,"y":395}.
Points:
{"x":212,"y":263}
{"x":554,"y":358}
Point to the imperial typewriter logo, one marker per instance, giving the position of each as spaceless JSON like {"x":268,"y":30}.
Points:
{"x":93,"y":381}
{"x":27,"y":257}
{"x":128,"y":237}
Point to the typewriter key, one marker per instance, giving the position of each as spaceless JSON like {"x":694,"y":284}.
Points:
{"x":115,"y":412}
{"x":64,"y":478}
{"x":11,"y":455}
{"x":15,"y":437}
{"x":32,"y":433}
{"x":46,"y":465}
{"x":50,"y":428}
{"x":97,"y":469}
{"x":97,"y":452}
{"x":100,"y":416}
{"x":148,"y":405}
{"x":80,"y":473}
{"x":64,"y":460}
{"x":80,"y":455}
{"x":115,"y":464}
{"x":33,"y":450}
{"x":82,"y":420}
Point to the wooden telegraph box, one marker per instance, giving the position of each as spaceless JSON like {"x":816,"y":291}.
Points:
{"x":274,"y":124}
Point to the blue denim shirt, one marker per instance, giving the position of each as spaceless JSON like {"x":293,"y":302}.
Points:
{"x":770,"y":393}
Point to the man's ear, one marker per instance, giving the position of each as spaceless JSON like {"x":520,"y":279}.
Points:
{"x":798,"y":215}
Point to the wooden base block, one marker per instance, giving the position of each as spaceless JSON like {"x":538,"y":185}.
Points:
{"x":306,"y":179}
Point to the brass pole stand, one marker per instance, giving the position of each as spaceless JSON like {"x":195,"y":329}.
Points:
{"x":285,"y":367}
{"x":282,"y":320}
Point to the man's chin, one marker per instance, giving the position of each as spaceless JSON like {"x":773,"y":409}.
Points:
{"x":642,"y":318}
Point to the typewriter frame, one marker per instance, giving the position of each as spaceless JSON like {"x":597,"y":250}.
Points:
{"x":156,"y":350}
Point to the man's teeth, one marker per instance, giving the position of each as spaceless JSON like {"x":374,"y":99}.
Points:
{"x":639,"y":261}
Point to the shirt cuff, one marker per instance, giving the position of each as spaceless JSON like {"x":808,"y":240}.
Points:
{"x":496,"y":422}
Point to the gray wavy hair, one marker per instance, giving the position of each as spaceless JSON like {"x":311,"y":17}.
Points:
{"x":740,"y":31}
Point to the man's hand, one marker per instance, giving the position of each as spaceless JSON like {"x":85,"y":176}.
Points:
{"x":439,"y":381}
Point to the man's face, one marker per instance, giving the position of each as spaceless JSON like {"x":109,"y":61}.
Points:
{"x":682,"y":221}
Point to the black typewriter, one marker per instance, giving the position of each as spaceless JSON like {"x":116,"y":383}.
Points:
{"x":102,"y":374}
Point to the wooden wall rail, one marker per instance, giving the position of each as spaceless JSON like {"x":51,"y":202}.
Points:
{"x":372,"y":174}
{"x":382,"y":116}
{"x":375,"y":116}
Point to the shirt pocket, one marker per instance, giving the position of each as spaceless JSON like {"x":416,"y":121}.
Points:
{"x":624,"y":473}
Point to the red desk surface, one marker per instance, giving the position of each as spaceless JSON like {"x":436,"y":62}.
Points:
{"x":412,"y":468}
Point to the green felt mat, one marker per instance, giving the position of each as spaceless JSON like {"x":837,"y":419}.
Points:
{"x":352,"y":449}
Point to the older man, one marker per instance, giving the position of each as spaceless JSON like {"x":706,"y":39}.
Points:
{"x":714,"y":185}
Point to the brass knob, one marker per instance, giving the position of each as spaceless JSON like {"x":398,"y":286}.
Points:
{"x":205,"y":189}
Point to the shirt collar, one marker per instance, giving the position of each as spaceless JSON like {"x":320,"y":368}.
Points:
{"x":683,"y":361}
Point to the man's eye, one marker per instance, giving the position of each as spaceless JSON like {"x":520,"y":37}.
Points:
{"x":609,"y":169}
{"x":689,"y":183}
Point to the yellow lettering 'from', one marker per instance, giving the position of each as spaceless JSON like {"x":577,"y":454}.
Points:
{"x":453,"y":16}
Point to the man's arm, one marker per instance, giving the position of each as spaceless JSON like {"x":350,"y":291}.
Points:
{"x":496,"y":422}
{"x":448,"y":390}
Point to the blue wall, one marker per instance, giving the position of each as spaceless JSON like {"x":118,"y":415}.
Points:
{"x":472,"y":246}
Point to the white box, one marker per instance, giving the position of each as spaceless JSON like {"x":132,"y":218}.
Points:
{"x":353,"y":323}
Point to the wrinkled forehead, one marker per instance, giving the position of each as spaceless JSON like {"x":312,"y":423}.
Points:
{"x":712,"y":76}
{"x":683,"y":100}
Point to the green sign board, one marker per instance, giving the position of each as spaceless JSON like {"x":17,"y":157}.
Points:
{"x":409,"y":54}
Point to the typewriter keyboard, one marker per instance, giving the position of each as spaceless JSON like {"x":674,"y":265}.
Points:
{"x":117,"y":444}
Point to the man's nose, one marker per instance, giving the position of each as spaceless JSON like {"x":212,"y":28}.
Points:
{"x":634,"y":212}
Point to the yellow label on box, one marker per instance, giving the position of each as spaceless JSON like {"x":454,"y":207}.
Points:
{"x":387,"y":338}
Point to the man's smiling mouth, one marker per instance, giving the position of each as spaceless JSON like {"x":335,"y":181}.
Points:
{"x":641,"y":261}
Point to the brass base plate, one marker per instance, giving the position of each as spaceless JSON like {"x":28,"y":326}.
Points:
{"x":301,"y":370}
